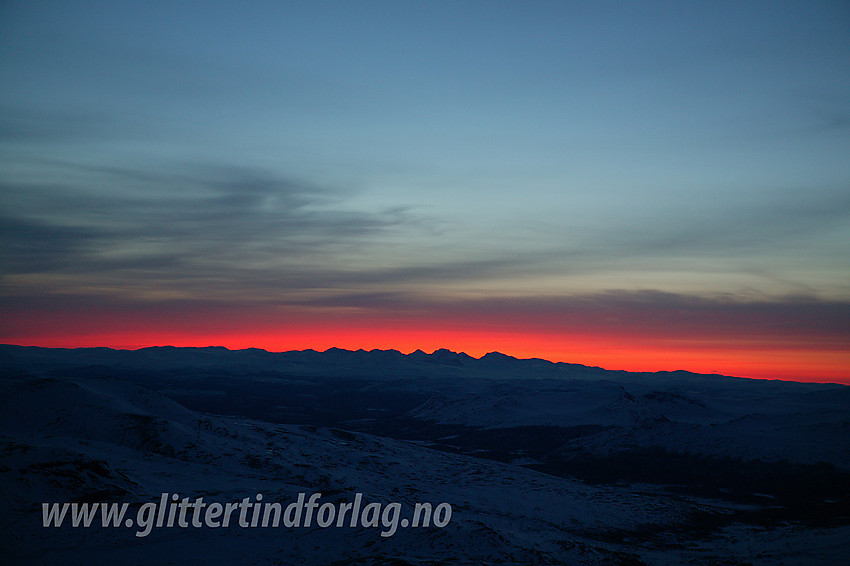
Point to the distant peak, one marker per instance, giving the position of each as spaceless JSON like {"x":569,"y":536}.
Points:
{"x":497,"y":356}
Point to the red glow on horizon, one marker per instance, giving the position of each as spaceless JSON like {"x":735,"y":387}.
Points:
{"x":752,"y":343}
{"x":609,"y":352}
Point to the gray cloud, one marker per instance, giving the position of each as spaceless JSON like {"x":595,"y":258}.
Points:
{"x":31,"y":245}
{"x":673,"y":315}
{"x":186,"y":224}
{"x":227,"y":231}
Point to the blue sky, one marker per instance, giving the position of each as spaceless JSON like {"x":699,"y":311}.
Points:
{"x":378,"y":157}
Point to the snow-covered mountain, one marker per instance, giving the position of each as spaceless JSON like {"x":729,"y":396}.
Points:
{"x":542,"y":463}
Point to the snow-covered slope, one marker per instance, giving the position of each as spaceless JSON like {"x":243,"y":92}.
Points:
{"x":65,"y":442}
{"x":102,"y":425}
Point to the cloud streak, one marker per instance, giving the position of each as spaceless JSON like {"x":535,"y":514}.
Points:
{"x":217,"y":230}
{"x":201,"y":222}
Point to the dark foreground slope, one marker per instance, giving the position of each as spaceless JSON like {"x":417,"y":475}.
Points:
{"x":542,"y":463}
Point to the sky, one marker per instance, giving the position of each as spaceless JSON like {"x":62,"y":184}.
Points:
{"x":632,"y":185}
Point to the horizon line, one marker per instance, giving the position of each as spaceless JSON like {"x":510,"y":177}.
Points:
{"x":421,"y":351}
